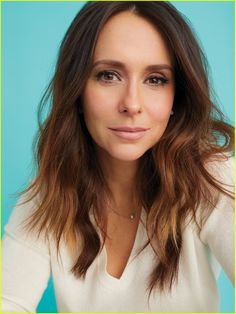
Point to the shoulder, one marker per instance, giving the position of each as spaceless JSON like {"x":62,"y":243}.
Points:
{"x":18,"y":228}
{"x":221,"y":167}
{"x":23,"y":210}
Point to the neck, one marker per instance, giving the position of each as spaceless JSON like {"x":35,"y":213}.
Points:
{"x":121,"y":179}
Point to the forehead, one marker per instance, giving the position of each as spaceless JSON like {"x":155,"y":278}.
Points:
{"x":131,"y":39}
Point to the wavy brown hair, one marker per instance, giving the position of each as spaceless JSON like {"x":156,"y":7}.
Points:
{"x":69,"y":179}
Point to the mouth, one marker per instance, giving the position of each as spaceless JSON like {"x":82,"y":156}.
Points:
{"x":129,"y":133}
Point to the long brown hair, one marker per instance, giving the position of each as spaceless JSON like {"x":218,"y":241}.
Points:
{"x":69,"y":179}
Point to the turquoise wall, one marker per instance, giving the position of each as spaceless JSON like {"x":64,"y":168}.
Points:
{"x":31,"y":35}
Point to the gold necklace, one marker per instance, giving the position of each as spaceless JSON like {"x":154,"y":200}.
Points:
{"x":131,"y":216}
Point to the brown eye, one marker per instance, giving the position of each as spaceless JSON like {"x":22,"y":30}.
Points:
{"x":107,"y":76}
{"x":157,"y":81}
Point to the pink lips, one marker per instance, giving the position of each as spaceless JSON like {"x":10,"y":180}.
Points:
{"x":129,"y":133}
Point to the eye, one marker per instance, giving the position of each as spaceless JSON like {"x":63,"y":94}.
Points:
{"x":157,"y":81}
{"x":107,"y":76}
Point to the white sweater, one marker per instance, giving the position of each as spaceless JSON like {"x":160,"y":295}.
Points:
{"x":28,"y":262}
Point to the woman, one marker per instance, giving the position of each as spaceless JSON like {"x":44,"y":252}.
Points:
{"x":132,"y":206}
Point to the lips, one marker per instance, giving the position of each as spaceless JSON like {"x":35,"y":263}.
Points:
{"x":129,"y":133}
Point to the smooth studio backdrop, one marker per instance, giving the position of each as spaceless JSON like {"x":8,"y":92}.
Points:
{"x":31,"y":35}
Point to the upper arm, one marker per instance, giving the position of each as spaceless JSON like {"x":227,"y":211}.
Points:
{"x":218,"y":230}
{"x":25,"y":264}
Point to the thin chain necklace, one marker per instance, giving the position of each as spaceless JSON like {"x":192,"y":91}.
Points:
{"x":130,"y":216}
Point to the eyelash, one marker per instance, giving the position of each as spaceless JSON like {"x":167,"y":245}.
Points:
{"x":101,"y":74}
{"x":100,"y":77}
{"x":160,"y":79}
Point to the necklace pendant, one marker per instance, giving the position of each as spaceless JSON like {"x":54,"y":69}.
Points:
{"x":132,"y":216}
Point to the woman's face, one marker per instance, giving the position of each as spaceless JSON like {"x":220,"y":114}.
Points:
{"x":128,"y":98}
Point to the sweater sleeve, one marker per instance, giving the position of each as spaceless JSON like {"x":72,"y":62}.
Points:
{"x":218,"y":230}
{"x":25,"y":263}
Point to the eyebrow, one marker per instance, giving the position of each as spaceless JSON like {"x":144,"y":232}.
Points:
{"x":118,"y":64}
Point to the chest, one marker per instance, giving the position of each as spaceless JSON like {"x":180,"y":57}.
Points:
{"x":101,"y":291}
{"x":119,"y":243}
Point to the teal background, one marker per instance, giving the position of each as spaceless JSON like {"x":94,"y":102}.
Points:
{"x":31,"y":35}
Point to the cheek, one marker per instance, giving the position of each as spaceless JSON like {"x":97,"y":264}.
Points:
{"x":160,"y":107}
{"x":96,"y":103}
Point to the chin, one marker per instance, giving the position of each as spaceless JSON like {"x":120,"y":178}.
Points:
{"x":126,"y":154}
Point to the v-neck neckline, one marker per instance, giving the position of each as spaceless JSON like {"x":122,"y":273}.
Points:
{"x":128,"y":272}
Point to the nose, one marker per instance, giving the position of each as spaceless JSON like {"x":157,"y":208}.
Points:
{"x":130,"y":102}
